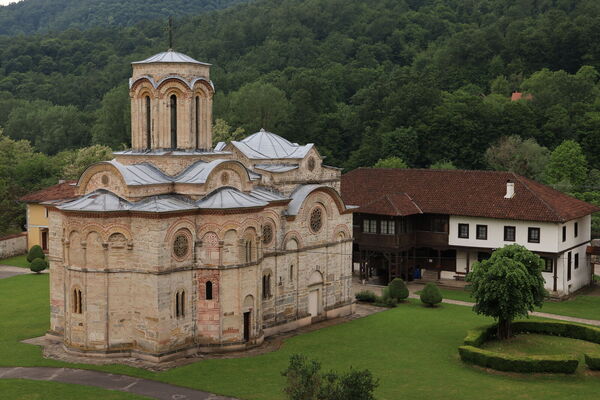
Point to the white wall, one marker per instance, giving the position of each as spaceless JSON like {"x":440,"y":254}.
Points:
{"x":549,"y":233}
{"x":584,"y":236}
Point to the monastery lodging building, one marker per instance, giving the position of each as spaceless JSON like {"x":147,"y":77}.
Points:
{"x":175,"y":247}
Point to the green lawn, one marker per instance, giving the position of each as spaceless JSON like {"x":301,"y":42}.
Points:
{"x":19,"y":389}
{"x":581,"y":306}
{"x":16,"y":261}
{"x":411,"y":349}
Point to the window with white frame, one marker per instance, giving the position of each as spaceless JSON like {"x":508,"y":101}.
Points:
{"x":388,"y":227}
{"x":370,"y":226}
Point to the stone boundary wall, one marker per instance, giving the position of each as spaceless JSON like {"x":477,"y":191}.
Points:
{"x":13,"y":245}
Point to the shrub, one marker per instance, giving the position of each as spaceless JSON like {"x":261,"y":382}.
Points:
{"x":366,"y":295}
{"x":38,"y":265}
{"x":398,"y":289}
{"x":386,"y":301}
{"x":593,"y":361}
{"x":306,"y":382}
{"x":35,"y":252}
{"x":431,"y":295}
{"x":566,"y":364}
{"x":559,"y":328}
{"x":477,"y":337}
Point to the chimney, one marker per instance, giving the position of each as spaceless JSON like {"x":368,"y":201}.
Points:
{"x":510,"y":189}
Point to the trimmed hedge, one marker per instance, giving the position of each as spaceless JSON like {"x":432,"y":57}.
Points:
{"x":593,"y":361}
{"x":366,"y":295}
{"x":566,"y":364}
{"x":477,"y":337}
{"x":559,"y":328}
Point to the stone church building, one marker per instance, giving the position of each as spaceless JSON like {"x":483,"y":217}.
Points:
{"x":175,"y":247}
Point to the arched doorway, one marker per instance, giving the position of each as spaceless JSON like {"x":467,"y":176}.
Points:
{"x":315,"y":295}
{"x":247,"y":309}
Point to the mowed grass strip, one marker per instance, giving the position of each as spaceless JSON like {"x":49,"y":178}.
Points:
{"x":22,"y":389}
{"x":580,"y":306}
{"x":16,"y":261}
{"x":411,"y":349}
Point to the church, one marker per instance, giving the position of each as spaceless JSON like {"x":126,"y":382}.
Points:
{"x":176,"y":247}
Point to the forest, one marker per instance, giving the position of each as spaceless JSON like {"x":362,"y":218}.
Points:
{"x":408,"y":83}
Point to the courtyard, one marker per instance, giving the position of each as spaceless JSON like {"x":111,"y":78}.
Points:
{"x":410,"y":349}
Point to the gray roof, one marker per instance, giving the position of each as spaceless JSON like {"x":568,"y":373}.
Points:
{"x":99,"y":200}
{"x":300,"y":194}
{"x":199,"y":171}
{"x":229,"y":197}
{"x":267,"y":145}
{"x":163,"y":203}
{"x":169,"y":56}
{"x":162,"y":152}
{"x":276,"y":168}
{"x":140,"y":174}
{"x":266,"y":194}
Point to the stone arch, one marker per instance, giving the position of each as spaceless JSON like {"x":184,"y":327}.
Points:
{"x":90,"y":179}
{"x":182,"y":244}
{"x":117,"y":250}
{"x":293,"y":235}
{"x":230,"y":247}
{"x":316,"y":278}
{"x":166,"y":85}
{"x":341,"y":232}
{"x":267,"y":284}
{"x":75,"y":249}
{"x":248,"y":304}
{"x":292,"y":259}
{"x":94,"y":250}
{"x":239,"y":176}
{"x":210,"y":250}
{"x":112,"y":229}
{"x":249,"y":245}
{"x":183,"y":223}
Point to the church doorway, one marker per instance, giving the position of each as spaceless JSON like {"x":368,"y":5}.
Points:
{"x":315,"y":285}
{"x":313,"y":303}
{"x":247,"y":313}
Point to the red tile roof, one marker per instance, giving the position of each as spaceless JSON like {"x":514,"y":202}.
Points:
{"x":62,"y":191}
{"x":516,"y":96}
{"x":457,"y":192}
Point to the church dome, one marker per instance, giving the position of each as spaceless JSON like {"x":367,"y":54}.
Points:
{"x":170,"y":56}
{"x":265,"y":144}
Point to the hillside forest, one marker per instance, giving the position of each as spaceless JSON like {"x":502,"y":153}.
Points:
{"x":392,"y":83}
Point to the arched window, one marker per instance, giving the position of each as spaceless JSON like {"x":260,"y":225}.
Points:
{"x":248,"y":250}
{"x":292,"y":273}
{"x":148,"y":124}
{"x":266,"y":286}
{"x":173,"y":121}
{"x":197,"y":122}
{"x":77,"y":301}
{"x":180,"y":304}
{"x":209,"y":293}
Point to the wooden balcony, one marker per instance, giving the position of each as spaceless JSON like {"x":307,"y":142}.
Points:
{"x":379,"y":241}
{"x":425,"y":239}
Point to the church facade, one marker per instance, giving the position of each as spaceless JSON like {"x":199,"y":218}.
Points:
{"x":175,"y":247}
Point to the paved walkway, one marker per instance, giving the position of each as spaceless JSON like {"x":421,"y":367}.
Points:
{"x":6,"y":271}
{"x":122,"y":383}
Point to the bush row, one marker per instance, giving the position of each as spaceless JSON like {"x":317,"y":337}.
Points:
{"x":559,"y":328}
{"x":477,"y":337}
{"x":593,"y":361}
{"x":566,"y":364}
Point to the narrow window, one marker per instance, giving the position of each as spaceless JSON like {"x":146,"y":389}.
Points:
{"x":266,"y":289}
{"x":533,"y":235}
{"x":568,"y":266}
{"x":182,"y":301}
{"x":463,"y":231}
{"x":365,"y":225}
{"x":548,"y":264}
{"x":177,"y":304}
{"x":77,"y":308}
{"x":173,"y":121}
{"x":197,"y":122}
{"x":509,"y":233}
{"x":576,"y":229}
{"x":248,"y":248}
{"x":148,"y":124}
{"x":292,"y":273}
{"x":481,"y":232}
{"x":576,"y":260}
{"x":564,"y":234}
{"x":209,"y":292}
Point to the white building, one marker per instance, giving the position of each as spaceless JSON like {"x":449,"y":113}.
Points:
{"x":440,"y":222}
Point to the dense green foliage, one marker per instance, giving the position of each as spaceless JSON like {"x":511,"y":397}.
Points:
{"x":398,"y":289}
{"x":30,"y":16}
{"x":305,"y":381}
{"x":366,"y":295}
{"x":507,"y":285}
{"x":38,"y":265}
{"x":593,"y":361}
{"x":565,"y":364}
{"x":431,"y":295}
{"x":35,"y":252}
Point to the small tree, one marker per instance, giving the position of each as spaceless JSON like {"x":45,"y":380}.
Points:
{"x":431,"y":295}
{"x":35,"y":252}
{"x":507,"y":285}
{"x":38,"y":265}
{"x":391,"y":162}
{"x":398,"y":289}
{"x":306,"y":382}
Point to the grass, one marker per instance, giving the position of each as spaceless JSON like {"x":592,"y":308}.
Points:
{"x":532,"y":344}
{"x":16,"y":261}
{"x":581,"y":306}
{"x":411,"y":349}
{"x":20,"y":389}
